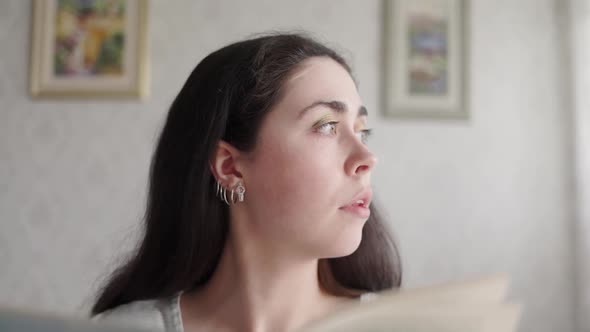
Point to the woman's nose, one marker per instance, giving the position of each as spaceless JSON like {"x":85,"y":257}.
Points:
{"x":361,"y":161}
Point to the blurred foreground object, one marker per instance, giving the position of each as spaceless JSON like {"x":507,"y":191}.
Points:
{"x":474,"y":306}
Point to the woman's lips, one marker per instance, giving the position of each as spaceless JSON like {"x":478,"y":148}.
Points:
{"x":357,"y":210}
{"x":359,"y":205}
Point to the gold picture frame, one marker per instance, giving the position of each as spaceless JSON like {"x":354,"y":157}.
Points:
{"x":426,"y":59}
{"x":89,"y":49}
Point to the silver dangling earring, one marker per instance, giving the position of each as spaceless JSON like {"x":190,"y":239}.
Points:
{"x":240,"y":191}
{"x":221,"y":192}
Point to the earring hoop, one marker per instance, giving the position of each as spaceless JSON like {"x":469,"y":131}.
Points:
{"x":236,"y":195}
{"x":225,"y":196}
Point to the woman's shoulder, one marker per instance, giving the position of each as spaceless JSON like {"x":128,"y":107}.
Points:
{"x":154,"y":315}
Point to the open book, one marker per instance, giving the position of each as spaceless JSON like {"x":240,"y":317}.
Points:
{"x":475,"y":306}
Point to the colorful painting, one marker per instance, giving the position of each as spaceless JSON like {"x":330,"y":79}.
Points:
{"x":90,"y":37}
{"x":89,"y":48}
{"x":427,"y":44}
{"x":426,"y":58}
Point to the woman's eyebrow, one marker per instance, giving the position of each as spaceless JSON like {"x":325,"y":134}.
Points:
{"x":334,"y":105}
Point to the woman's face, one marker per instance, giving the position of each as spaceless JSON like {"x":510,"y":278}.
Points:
{"x":308,"y":179}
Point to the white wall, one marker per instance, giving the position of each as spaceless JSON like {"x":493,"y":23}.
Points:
{"x":491,"y":194}
{"x":580,"y":26}
{"x":466,"y":198}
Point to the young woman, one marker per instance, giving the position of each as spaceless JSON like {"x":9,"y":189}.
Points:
{"x":259,"y":216}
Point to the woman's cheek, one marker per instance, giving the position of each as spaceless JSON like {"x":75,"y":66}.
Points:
{"x":297,"y":163}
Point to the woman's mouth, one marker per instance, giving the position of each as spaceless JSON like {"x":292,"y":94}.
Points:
{"x":359,"y":209}
{"x":360,"y":204}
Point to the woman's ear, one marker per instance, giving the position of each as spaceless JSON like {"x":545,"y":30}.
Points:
{"x":224,"y":165}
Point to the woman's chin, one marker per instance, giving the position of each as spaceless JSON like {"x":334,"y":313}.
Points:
{"x":344,"y":246}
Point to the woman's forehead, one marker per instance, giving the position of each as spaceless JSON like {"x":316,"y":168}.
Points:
{"x":315,"y":67}
{"x":321,"y":78}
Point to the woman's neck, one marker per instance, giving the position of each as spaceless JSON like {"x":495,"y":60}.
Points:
{"x":257,"y":289}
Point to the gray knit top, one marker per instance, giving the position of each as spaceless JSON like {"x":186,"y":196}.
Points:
{"x":155,"y":315}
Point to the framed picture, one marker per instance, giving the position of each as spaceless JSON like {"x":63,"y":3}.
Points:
{"x":425,"y":58}
{"x":89,"y":48}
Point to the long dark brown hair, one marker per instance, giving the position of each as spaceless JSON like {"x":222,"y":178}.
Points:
{"x":226,"y":98}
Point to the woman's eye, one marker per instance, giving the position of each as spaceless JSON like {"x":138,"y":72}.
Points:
{"x":328,"y":128}
{"x":364,"y":135}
